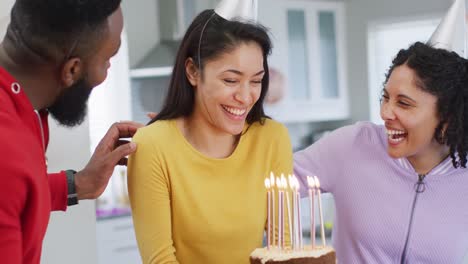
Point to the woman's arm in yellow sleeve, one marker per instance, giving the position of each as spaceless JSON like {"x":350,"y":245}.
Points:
{"x":149,"y":192}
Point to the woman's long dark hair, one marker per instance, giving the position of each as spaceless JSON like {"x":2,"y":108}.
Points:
{"x":445,"y":75}
{"x":219,"y":36}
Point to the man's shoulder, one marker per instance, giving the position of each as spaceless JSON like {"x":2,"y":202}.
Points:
{"x":9,"y":120}
{"x":17,"y":147}
{"x":6,"y":104}
{"x":13,"y":132}
{"x":13,"y":135}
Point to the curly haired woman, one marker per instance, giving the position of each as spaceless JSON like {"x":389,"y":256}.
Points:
{"x":401,"y":189}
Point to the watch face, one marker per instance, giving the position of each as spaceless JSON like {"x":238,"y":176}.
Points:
{"x":72,"y":198}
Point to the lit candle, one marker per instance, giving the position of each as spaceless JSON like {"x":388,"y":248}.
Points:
{"x":280,"y":212}
{"x":267,"y":185}
{"x":284,"y":183}
{"x":311,"y":183}
{"x":273,"y":202}
{"x":296,"y":214}
{"x":322,"y":230}
{"x":292,"y":225}
{"x":299,"y":221}
{"x":297,"y":230}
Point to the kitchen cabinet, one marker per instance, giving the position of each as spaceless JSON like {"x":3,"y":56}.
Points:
{"x":116,"y":241}
{"x":171,"y":19}
{"x":308,"y":74}
{"x":153,"y":53}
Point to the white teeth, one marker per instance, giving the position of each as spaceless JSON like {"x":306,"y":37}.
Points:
{"x":395,"y":132}
{"x":234,"y":111}
{"x":395,"y":140}
{"x":391,"y":133}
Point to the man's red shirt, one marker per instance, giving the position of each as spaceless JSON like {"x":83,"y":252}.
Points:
{"x":27,"y":192}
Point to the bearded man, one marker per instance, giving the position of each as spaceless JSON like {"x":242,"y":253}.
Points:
{"x":53,"y":54}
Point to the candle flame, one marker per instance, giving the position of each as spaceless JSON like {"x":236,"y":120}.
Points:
{"x":317,"y":182}
{"x":272,"y":179}
{"x":284,"y":182}
{"x":294,"y":183}
{"x":278,"y":183}
{"x":291,"y":182}
{"x":298,"y":186}
{"x":267,"y":183}
{"x":311,"y":182}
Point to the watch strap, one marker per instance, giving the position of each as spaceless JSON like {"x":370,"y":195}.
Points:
{"x":72,"y":197}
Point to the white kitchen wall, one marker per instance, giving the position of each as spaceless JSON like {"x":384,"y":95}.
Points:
{"x":142,"y":23}
{"x":5,"y":6}
{"x":110,"y":103}
{"x":71,"y":236}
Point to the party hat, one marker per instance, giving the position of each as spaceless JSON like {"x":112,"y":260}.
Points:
{"x":238,"y":9}
{"x":451,"y":32}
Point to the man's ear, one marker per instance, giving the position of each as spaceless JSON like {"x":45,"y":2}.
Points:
{"x":71,"y":71}
{"x":191,"y":71}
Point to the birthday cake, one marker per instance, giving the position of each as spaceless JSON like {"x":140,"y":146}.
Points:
{"x":278,"y":251}
{"x":319,"y":255}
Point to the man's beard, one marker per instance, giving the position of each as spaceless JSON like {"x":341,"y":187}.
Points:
{"x":71,"y":107}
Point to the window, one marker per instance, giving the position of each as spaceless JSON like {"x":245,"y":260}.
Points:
{"x":298,"y":63}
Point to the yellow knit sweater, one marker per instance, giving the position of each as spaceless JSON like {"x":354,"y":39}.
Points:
{"x":189,"y":208}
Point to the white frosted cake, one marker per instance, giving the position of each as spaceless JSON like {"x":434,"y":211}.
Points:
{"x":319,"y":255}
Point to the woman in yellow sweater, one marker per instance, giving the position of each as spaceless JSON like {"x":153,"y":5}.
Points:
{"x":196,"y":182}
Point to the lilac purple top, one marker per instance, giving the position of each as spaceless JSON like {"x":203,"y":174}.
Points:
{"x":385,"y":211}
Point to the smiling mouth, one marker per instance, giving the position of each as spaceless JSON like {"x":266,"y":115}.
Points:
{"x":396,"y":136}
{"x":235,"y":111}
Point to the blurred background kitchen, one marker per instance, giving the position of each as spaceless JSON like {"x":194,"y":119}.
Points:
{"x":327,"y":68}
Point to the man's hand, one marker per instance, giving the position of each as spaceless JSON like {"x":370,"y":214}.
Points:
{"x":111,"y":151}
